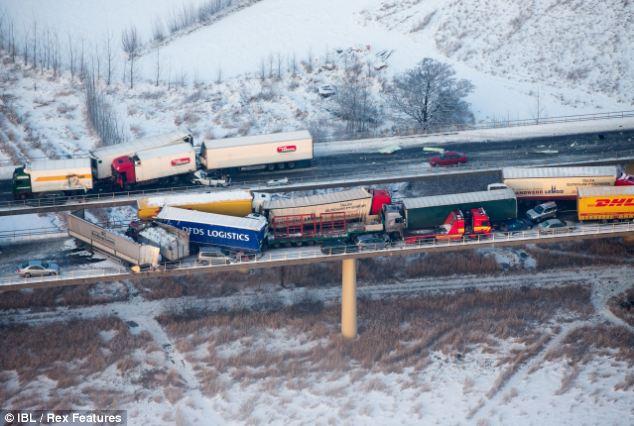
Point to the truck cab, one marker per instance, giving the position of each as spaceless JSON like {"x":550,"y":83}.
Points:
{"x":123,"y":171}
{"x":21,"y":183}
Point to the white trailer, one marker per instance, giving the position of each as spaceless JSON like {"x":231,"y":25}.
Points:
{"x":149,"y":165}
{"x":354,"y":203}
{"x":59,"y":175}
{"x":281,"y":150}
{"x":112,"y":243}
{"x":104,"y":156}
{"x":556,"y":183}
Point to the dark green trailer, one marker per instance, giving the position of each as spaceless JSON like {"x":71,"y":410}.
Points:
{"x":427,"y":212}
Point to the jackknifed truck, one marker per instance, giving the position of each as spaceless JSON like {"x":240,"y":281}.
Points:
{"x":234,"y":233}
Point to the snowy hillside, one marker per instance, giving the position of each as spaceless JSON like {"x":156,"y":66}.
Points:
{"x":577,"y":44}
{"x":498,"y":45}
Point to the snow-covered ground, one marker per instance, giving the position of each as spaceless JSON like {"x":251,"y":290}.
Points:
{"x":551,"y":354}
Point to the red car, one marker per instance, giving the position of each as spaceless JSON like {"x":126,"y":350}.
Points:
{"x":448,"y":158}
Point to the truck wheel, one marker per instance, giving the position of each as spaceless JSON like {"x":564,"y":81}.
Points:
{"x":291,"y":165}
{"x":270,"y":167}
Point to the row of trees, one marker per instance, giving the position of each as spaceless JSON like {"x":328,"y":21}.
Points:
{"x":427,"y":96}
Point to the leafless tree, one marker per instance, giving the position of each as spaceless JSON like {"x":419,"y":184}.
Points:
{"x":278,"y":74}
{"x":100,"y":114}
{"x":158,"y":32}
{"x":131,"y":46}
{"x":429,"y":95}
{"x":309,"y":61}
{"x":109,"y":58}
{"x":34,"y":44}
{"x":71,"y":56}
{"x":355,"y":103}
{"x":219,"y":75}
{"x":262,"y":70}
{"x":539,"y":111}
{"x":158,"y":66}
{"x":292,"y":65}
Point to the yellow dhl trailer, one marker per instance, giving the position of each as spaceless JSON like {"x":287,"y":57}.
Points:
{"x":230,"y":203}
{"x":605,"y":203}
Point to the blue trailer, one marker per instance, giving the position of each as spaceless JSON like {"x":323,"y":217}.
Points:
{"x":235,"y":233}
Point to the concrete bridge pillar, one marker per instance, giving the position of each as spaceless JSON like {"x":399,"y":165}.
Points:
{"x":349,"y":298}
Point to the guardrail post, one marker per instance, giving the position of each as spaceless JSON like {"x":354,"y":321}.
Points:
{"x":349,"y":298}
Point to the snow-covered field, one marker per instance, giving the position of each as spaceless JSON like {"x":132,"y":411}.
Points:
{"x":551,"y":353}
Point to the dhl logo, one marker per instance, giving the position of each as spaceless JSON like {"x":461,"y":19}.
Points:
{"x":613,"y":202}
{"x":180,"y":161}
{"x":286,"y":148}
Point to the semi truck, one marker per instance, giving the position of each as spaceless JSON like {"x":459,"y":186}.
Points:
{"x":356,"y":203}
{"x":232,"y":203}
{"x":429,"y":212}
{"x":559,"y":183}
{"x":45,"y":176}
{"x":278,"y":150}
{"x":605,"y":203}
{"x":235,"y":233}
{"x":103,"y":157}
{"x":112,"y":243}
{"x":473,"y":223}
{"x":150,"y":165}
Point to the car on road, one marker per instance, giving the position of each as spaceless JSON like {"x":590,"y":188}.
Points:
{"x":202,"y":178}
{"x":277,"y":182}
{"x":337,"y":246}
{"x":553,"y":226}
{"x":514,"y":225}
{"x":38,"y":268}
{"x":542,"y":212}
{"x":372,"y":242}
{"x":212,"y":256}
{"x":447,"y":158}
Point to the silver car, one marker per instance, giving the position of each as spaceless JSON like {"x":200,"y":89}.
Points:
{"x":37,"y":268}
{"x":553,"y":226}
{"x":542,"y":212}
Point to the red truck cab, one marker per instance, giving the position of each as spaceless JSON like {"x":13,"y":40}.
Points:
{"x":380,"y":197}
{"x":456,"y":226}
{"x":123,"y":173}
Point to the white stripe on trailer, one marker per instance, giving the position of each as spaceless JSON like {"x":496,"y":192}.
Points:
{"x":450,"y":199}
{"x":176,"y":214}
{"x":318,"y":199}
{"x":258,"y":139}
{"x":598,"y":191}
{"x":558,"y":172}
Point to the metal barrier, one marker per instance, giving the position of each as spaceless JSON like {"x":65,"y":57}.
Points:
{"x":275,"y":257}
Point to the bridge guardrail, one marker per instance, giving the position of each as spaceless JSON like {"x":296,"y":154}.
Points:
{"x":315,"y":254}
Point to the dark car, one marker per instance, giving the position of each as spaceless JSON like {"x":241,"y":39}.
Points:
{"x":514,"y":225}
{"x":447,"y":158}
{"x":372,"y":242}
{"x":337,"y":246}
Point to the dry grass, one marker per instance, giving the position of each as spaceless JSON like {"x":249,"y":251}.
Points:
{"x":612,"y":251}
{"x":68,"y":296}
{"x":622,"y":306}
{"x":394,"y":333}
{"x":67,"y":351}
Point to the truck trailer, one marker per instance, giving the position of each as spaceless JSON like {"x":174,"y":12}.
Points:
{"x":605,"y":203}
{"x":103,"y":157}
{"x":235,"y":233}
{"x":152,"y":164}
{"x":357,"y":204}
{"x":278,"y":150}
{"x":172,"y":242}
{"x":429,"y":212}
{"x":72,"y":175}
{"x":112,"y":243}
{"x":232,"y":203}
{"x":558,"y":183}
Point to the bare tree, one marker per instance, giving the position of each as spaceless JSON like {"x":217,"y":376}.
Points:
{"x":219,"y":75}
{"x":71,"y":56}
{"x":292,"y":65}
{"x":109,"y":58}
{"x":100,"y":114}
{"x":131,"y":46}
{"x":278,"y":73}
{"x":35,"y":45}
{"x":539,"y":111}
{"x":158,"y":66}
{"x":355,"y":103}
{"x":430,"y":95}
{"x":262,"y":70}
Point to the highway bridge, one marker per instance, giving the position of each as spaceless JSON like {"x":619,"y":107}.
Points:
{"x":308,"y":255}
{"x":378,"y":176}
